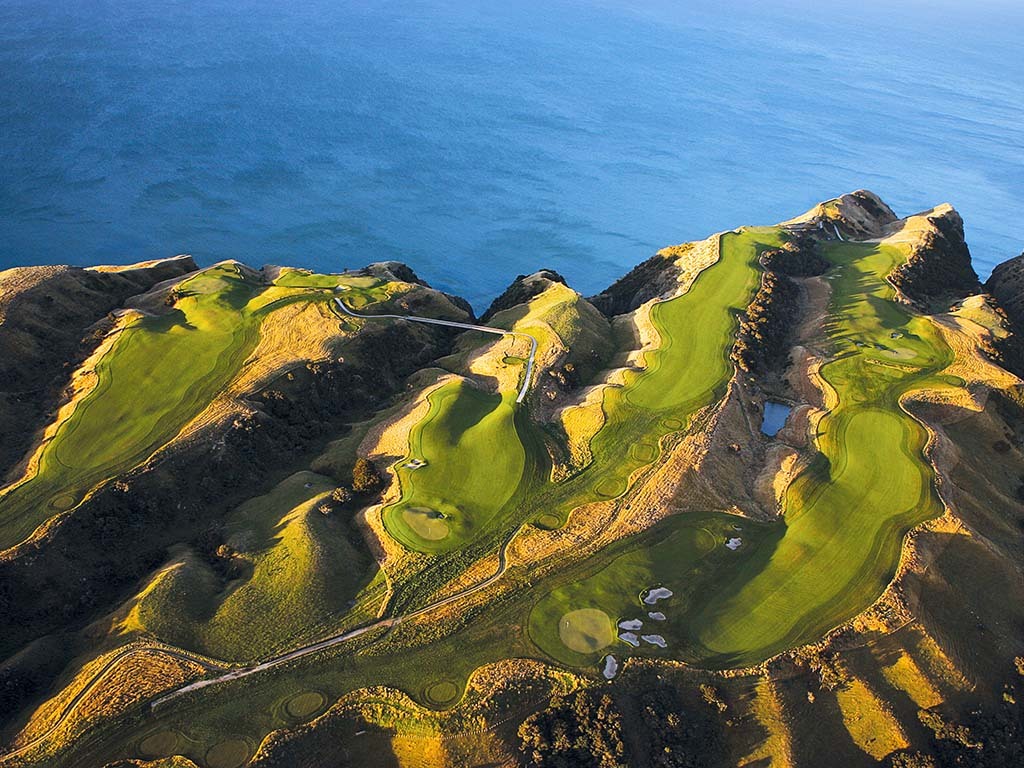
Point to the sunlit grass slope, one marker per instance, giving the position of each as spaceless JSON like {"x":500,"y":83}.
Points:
{"x":845,"y":515}
{"x":300,"y":573}
{"x":159,"y":374}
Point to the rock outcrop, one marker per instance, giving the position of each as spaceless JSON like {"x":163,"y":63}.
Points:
{"x":939,"y":270}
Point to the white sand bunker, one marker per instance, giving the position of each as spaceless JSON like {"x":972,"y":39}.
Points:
{"x":630,"y":624}
{"x":734,"y":543}
{"x":630,"y":638}
{"x":611,"y":667}
{"x":656,"y":615}
{"x":656,"y":594}
{"x":415,"y":464}
{"x":657,"y":640}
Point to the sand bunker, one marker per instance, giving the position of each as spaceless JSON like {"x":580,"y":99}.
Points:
{"x":734,"y":543}
{"x":611,"y":667}
{"x":657,"y":640}
{"x":630,"y":638}
{"x":656,"y":594}
{"x":656,"y":615}
{"x":630,"y":624}
{"x":586,"y":630}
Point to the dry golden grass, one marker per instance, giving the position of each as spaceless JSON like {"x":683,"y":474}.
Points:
{"x":777,"y":746}
{"x":869,"y":720}
{"x":905,"y":675}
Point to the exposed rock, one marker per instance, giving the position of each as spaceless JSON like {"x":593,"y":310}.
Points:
{"x":858,"y":215}
{"x":642,"y":283}
{"x":1006,"y":285}
{"x":522,"y":289}
{"x":939,"y":267}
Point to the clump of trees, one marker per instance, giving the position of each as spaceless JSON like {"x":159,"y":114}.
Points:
{"x":761,"y":342}
{"x":582,"y":730}
{"x":365,"y":477}
{"x":797,"y":258}
{"x":647,"y":723}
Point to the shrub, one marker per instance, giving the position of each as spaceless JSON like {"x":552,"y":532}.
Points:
{"x":365,"y":478}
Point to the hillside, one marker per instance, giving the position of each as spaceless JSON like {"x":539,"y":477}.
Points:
{"x":269,"y":517}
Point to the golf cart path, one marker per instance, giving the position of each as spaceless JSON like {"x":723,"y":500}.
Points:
{"x":466,"y":326}
{"x":329,"y":642}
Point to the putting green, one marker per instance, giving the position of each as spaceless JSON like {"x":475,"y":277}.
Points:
{"x":305,"y":704}
{"x":428,"y":524}
{"x":231,"y":753}
{"x":674,"y":554}
{"x":475,"y":461}
{"x":441,"y":693}
{"x":586,"y":630}
{"x":160,"y":744}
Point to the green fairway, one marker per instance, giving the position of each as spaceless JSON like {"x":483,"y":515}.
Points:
{"x":159,"y":374}
{"x":677,"y":554}
{"x":847,"y":513}
{"x":688,"y":369}
{"x":474,"y":463}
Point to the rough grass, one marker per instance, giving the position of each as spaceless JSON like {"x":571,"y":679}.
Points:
{"x":845,"y":515}
{"x":301,"y":574}
{"x":869,"y":722}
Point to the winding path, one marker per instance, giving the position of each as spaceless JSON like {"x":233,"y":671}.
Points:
{"x":466,"y":326}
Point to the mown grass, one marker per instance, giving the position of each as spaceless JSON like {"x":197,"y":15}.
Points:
{"x":159,"y":374}
{"x":678,"y":554}
{"x":847,"y":513}
{"x":688,"y":369}
{"x":475,"y":462}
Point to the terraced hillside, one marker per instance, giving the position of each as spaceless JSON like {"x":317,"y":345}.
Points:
{"x":292,"y":519}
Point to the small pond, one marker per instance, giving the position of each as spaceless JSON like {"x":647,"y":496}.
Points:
{"x":775,"y":415}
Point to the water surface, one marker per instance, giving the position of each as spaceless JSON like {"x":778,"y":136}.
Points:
{"x":479,"y":140}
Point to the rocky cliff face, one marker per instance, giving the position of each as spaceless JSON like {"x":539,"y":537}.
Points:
{"x":1006,"y":286}
{"x":939,"y":269}
{"x":522,"y":289}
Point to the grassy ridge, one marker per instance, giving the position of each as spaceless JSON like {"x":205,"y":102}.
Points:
{"x":299,"y":574}
{"x":846,"y":514}
{"x":160,"y":373}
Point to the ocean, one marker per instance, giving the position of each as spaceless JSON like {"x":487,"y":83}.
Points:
{"x":479,"y":140}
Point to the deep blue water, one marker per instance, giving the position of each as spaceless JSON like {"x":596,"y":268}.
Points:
{"x":478,"y":140}
{"x":775,"y":415}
